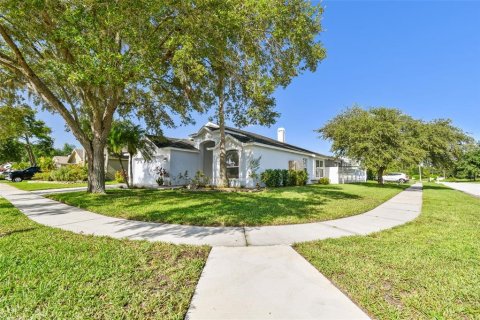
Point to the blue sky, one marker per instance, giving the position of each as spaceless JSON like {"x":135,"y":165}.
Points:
{"x":422,"y":57}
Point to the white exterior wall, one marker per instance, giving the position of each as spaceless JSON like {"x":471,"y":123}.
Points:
{"x":143,"y":171}
{"x":278,"y":159}
{"x":181,"y":161}
{"x":332,"y":174}
{"x":177,"y":161}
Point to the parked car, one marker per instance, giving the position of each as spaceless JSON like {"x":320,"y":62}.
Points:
{"x":396,"y":177}
{"x":19,"y":175}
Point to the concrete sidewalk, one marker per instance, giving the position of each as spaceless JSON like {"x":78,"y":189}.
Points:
{"x":266,"y":283}
{"x":470,"y":188}
{"x":400,"y":209}
{"x":251,"y":273}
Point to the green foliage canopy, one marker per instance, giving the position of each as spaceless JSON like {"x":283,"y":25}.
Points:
{"x":89,"y":60}
{"x":380,"y":138}
{"x":19,"y":124}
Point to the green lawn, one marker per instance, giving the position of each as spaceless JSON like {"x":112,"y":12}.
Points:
{"x":47,"y":273}
{"x":34,"y":186}
{"x":429,"y":268}
{"x":270,"y":207}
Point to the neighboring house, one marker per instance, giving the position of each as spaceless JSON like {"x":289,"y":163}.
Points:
{"x":60,"y":161}
{"x":201,"y":153}
{"x":78,"y":157}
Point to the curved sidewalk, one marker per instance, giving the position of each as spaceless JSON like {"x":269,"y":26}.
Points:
{"x":402,"y":208}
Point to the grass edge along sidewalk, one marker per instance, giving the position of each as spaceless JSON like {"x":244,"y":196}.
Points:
{"x":428,"y":268}
{"x":278,"y":206}
{"x":49,"y":273}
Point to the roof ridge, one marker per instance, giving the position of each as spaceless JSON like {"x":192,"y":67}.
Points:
{"x":273,"y":140}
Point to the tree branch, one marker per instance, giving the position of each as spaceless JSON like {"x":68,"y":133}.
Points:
{"x":42,"y":89}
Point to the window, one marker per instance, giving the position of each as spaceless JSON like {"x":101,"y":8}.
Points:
{"x":305,"y":163}
{"x":319,"y":169}
{"x":232,"y":164}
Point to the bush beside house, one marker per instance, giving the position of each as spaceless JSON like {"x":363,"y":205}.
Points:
{"x":324,"y":181}
{"x":120,"y":176}
{"x":284,"y":178}
{"x":69,"y":173}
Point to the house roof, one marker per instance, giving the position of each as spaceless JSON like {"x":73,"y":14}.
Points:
{"x":61,"y":159}
{"x":249,"y":137}
{"x":164,"y":142}
{"x":80,"y":152}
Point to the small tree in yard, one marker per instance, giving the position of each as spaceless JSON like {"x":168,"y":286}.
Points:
{"x":19,"y":123}
{"x":132,"y":138}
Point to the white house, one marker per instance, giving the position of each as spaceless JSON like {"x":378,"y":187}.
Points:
{"x":201,"y":153}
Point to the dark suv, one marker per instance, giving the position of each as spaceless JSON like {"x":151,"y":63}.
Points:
{"x":19,"y":175}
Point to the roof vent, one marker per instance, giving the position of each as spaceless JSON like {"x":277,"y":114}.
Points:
{"x":281,"y":135}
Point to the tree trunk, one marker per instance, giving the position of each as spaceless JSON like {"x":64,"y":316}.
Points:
{"x":223,"y":180}
{"x":96,"y":167}
{"x":381,"y":170}
{"x":130,"y":168}
{"x":31,"y":156}
{"x":125,"y":175}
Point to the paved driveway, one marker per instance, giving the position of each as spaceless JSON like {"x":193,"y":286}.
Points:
{"x":470,"y":188}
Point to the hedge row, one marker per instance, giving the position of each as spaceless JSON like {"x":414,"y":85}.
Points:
{"x":284,"y":178}
{"x":67,"y":173}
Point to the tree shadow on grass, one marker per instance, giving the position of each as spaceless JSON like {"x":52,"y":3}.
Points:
{"x":384,"y":186}
{"x":205,"y":208}
{"x":237,"y":209}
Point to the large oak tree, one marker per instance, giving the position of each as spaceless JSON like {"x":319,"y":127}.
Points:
{"x":380,"y":138}
{"x":262,"y":45}
{"x":87,"y":60}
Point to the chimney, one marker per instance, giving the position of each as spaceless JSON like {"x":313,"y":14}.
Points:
{"x":281,"y":134}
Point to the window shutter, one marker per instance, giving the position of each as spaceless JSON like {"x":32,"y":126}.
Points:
{"x":291,"y":165}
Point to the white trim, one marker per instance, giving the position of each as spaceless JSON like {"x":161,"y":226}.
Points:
{"x":180,"y":149}
{"x":200,"y":131}
{"x":284,"y":149}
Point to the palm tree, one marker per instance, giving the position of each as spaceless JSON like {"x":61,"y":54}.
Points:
{"x":127,"y":135}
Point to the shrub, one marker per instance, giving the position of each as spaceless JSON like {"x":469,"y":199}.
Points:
{"x":46,"y":163}
{"x":324,"y":181}
{"x":120,"y":176}
{"x":21,"y":165}
{"x":277,"y":176}
{"x":272,"y":178}
{"x":302,"y":177}
{"x":266,"y":178}
{"x":43,"y":176}
{"x":200,"y":179}
{"x":285,"y":178}
{"x":2,"y":177}
{"x":292,"y":178}
{"x":70,"y":173}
